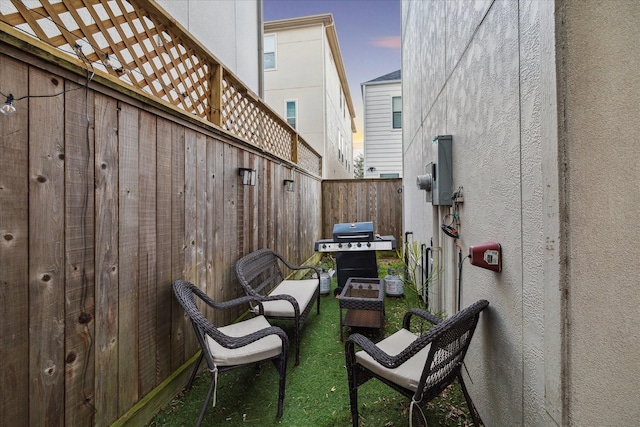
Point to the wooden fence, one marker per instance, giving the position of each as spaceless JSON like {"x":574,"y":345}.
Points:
{"x":108,"y":193}
{"x":104,"y":200}
{"x":377,"y":200}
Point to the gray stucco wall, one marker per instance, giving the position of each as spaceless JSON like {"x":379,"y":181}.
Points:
{"x":484,"y":72}
{"x":543,"y":101}
{"x":599,"y":92}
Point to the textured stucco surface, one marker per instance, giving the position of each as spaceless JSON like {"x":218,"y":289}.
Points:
{"x":543,"y":101}
{"x":480,"y":77}
{"x":600,"y":64}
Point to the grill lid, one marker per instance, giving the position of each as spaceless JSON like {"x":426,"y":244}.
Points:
{"x":353,"y":232}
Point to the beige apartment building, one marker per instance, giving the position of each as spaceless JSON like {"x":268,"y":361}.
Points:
{"x":305,"y":82}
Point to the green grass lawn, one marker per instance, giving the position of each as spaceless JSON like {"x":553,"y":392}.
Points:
{"x":317,"y":390}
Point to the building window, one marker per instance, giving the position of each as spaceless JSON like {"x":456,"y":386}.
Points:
{"x":291,"y":113}
{"x":396,"y":102}
{"x":270,"y":52}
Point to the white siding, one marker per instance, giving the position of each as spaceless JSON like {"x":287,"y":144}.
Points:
{"x":382,"y":143}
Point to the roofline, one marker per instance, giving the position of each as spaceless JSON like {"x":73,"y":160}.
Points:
{"x":326,"y":20}
{"x":303,"y":21}
{"x":380,"y":82}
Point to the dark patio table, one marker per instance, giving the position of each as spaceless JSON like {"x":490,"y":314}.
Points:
{"x":363,"y":300}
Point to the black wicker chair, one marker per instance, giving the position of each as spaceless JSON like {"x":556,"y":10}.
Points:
{"x":418,"y":366}
{"x":261,"y":277}
{"x":239,"y":344}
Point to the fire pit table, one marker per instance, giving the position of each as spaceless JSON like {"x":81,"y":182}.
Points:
{"x":363,"y":300}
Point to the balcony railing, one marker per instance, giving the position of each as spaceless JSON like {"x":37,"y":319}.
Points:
{"x":136,"y":43}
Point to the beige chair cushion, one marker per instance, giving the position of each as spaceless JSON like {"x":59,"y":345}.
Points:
{"x":301,"y":290}
{"x":265,"y":348}
{"x":406,"y":375}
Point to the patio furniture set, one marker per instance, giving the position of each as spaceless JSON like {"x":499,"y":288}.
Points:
{"x":420,"y":366}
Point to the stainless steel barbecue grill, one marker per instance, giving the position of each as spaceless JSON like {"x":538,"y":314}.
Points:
{"x":355,"y":245}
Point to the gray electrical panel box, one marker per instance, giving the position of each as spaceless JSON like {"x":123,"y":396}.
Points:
{"x":442,"y":173}
{"x":438,"y":178}
{"x":442,"y":187}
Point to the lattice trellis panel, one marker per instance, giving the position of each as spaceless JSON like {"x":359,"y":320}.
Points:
{"x":241,"y":116}
{"x":122,"y":38}
{"x":309,"y":160}
{"x":277,"y":137}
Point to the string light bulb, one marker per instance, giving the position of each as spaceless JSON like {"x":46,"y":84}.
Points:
{"x":8,"y":109}
{"x":107,"y":61}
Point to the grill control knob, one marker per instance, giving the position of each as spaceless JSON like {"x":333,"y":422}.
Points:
{"x":359,"y":244}
{"x":339,"y":245}
{"x":348,"y":245}
{"x":324,"y":246}
{"x":368,"y":244}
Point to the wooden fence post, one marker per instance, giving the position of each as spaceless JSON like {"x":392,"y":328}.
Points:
{"x":215,"y":96}
{"x":294,"y":147}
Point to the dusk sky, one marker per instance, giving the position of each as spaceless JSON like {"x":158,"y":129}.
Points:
{"x":369,"y":36}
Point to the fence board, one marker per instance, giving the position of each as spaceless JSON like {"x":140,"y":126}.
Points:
{"x":164,"y":293}
{"x":215,"y":158}
{"x":129,"y":256}
{"x":230,"y":190}
{"x":178,"y":321}
{"x":14,"y":251}
{"x":242,"y":209}
{"x":247,"y":205}
{"x":290,"y":225}
{"x":209,"y":160}
{"x":201,"y":216}
{"x":46,"y":251}
{"x":106,"y":290}
{"x":148,"y":255}
{"x":280,"y":217}
{"x":254,"y":197}
{"x":79,"y":235}
{"x":272,"y":211}
{"x":261,"y":205}
{"x":190,"y":226}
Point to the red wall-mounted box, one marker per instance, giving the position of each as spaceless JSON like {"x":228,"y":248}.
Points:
{"x":487,"y":255}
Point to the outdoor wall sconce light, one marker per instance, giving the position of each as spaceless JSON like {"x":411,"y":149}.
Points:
{"x":8,"y":109}
{"x":288,"y":184}
{"x":248,"y":176}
